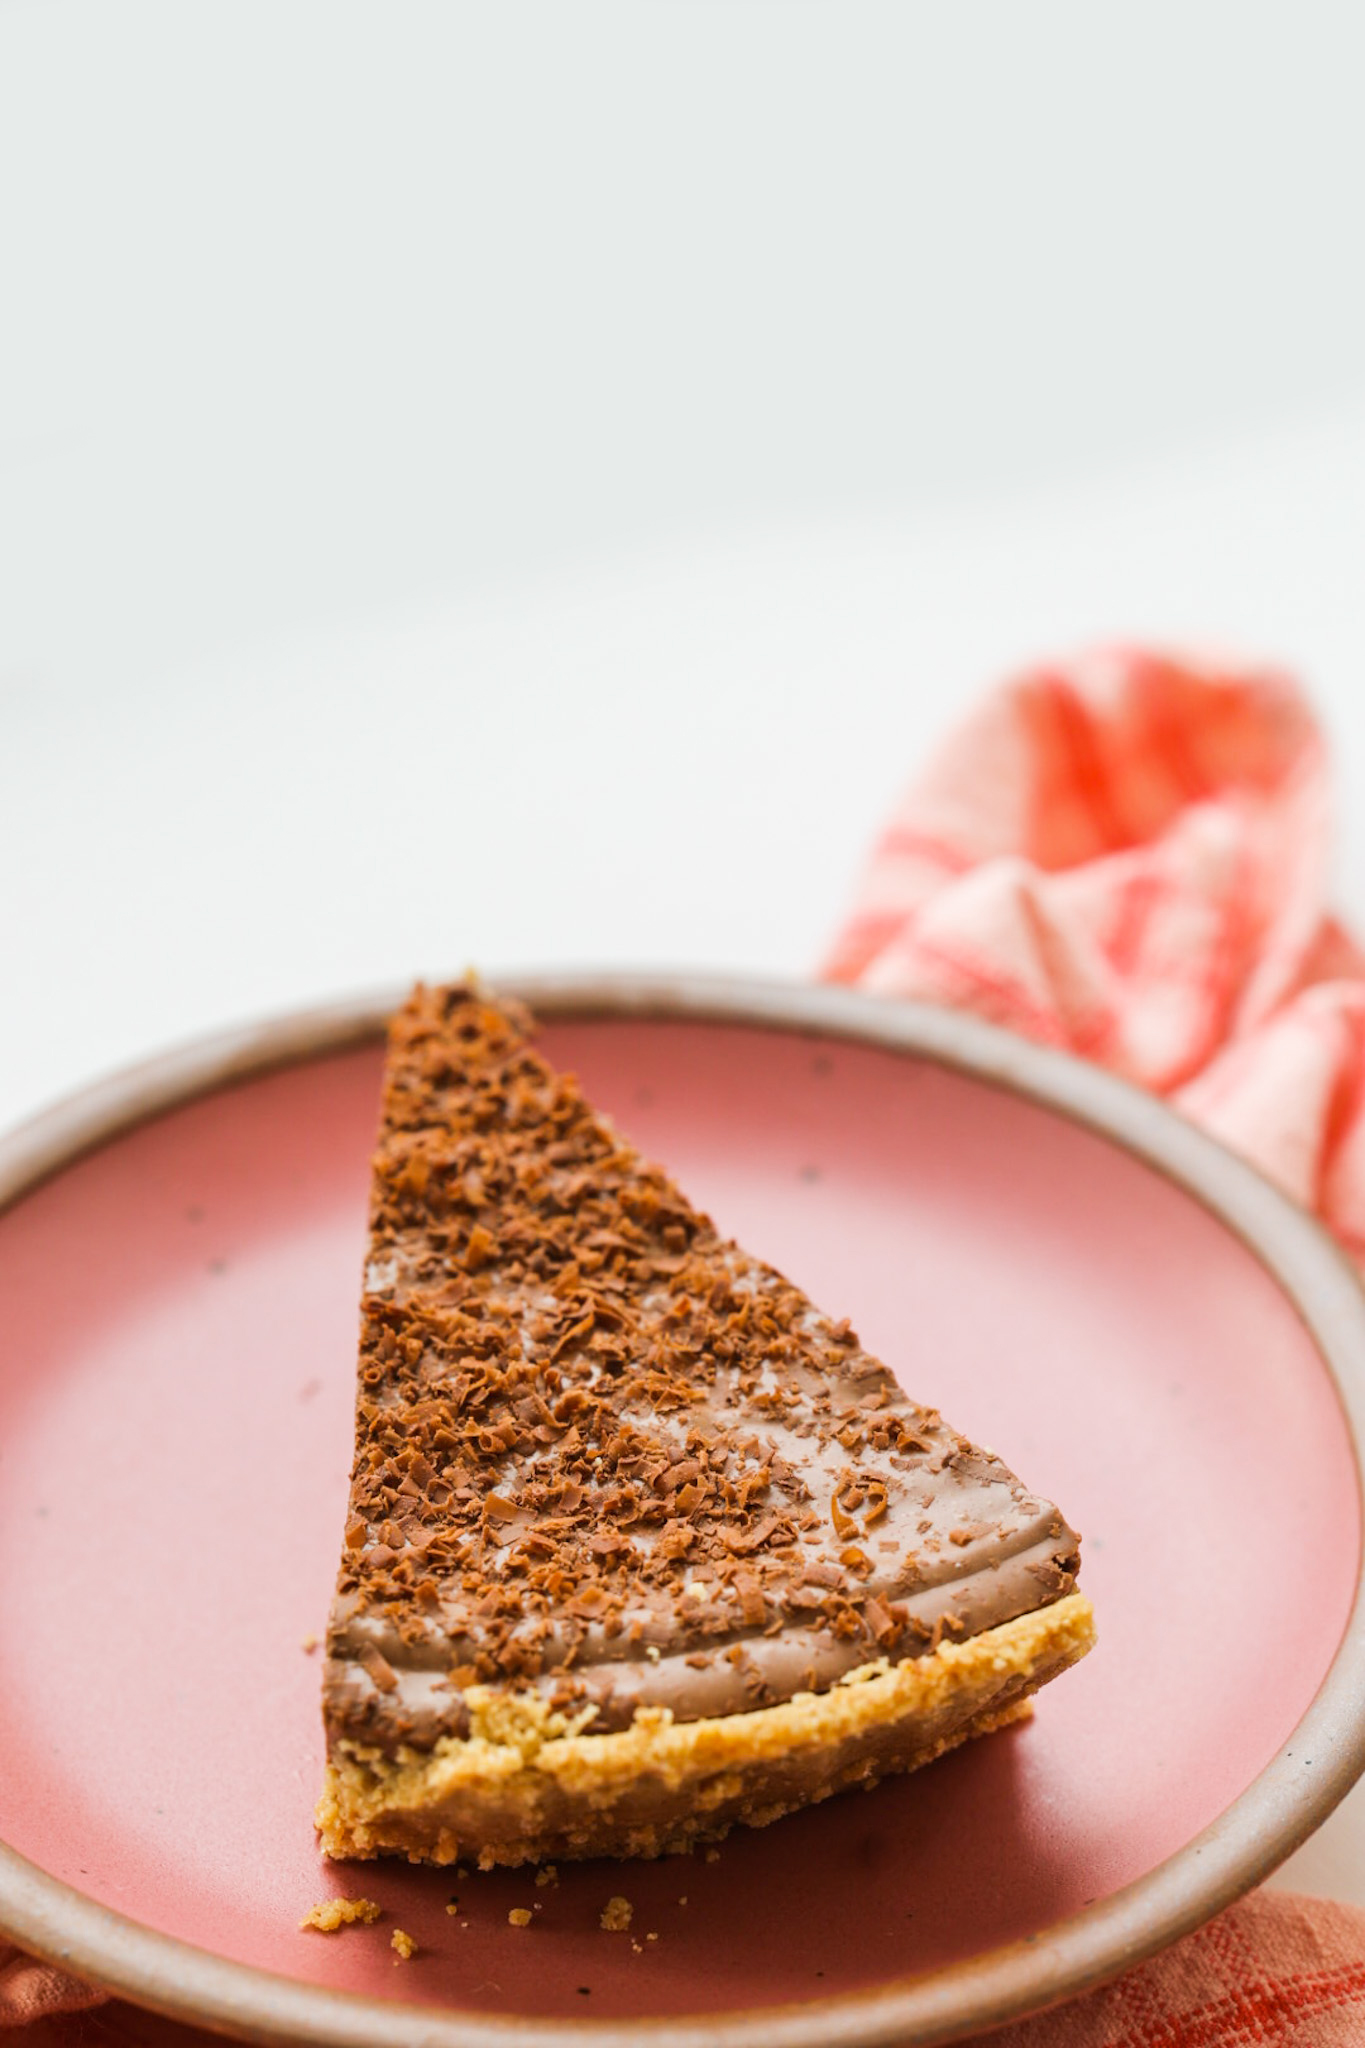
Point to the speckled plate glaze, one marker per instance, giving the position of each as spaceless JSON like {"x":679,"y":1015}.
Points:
{"x":1142,"y":1327}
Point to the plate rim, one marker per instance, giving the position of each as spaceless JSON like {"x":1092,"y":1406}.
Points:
{"x":1320,"y":1761}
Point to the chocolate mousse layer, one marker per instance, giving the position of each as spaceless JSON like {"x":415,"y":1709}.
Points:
{"x":605,"y":1456}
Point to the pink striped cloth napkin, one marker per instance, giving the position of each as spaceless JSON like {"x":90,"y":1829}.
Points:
{"x":1129,"y":857}
{"x":1126,"y":856}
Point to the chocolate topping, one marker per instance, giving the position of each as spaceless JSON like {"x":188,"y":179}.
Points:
{"x":608,"y":1457}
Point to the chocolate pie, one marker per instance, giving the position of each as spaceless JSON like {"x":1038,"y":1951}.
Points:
{"x":641,"y":1543}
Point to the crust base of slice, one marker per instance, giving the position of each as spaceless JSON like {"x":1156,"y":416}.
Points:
{"x":525,"y":1785}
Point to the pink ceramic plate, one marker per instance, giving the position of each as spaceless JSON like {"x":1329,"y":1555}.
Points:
{"x":1178,"y":1365}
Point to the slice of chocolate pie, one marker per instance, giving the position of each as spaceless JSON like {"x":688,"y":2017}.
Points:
{"x":640,"y":1543}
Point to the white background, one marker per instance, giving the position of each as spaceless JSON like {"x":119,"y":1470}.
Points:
{"x":523,"y":484}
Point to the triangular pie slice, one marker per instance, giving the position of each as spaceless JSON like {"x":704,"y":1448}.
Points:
{"x":640,"y":1543}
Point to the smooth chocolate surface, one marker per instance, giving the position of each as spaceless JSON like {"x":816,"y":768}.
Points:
{"x":604,"y":1455}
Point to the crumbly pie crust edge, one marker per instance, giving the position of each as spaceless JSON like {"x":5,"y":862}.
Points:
{"x":526,"y":1784}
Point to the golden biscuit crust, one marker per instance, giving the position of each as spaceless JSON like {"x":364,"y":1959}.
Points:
{"x":526,"y":1784}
